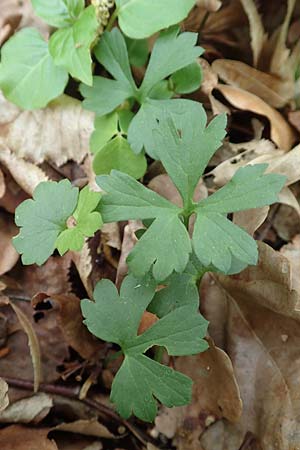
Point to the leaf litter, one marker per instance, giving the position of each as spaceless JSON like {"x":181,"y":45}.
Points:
{"x":246,"y":385}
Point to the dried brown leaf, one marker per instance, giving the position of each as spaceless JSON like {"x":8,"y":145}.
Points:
{"x":17,"y":437}
{"x":215,"y":395}
{"x":273,"y":90}
{"x":209,"y":5}
{"x":4,"y":401}
{"x":33,"y":343}
{"x":67,"y":314}
{"x":281,"y":132}
{"x":292,"y":252}
{"x":56,"y":134}
{"x":257,"y":32}
{"x":9,"y":255}
{"x":26,"y":174}
{"x":27,"y":410}
{"x":90,"y":427}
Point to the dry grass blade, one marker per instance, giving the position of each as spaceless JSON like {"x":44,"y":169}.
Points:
{"x":33,"y":345}
{"x":257,"y":32}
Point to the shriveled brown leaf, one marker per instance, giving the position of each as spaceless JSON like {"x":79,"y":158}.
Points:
{"x":90,"y":427}
{"x":259,"y":329}
{"x":27,"y":410}
{"x":286,"y":223}
{"x":33,"y":343}
{"x":273,"y":90}
{"x":268,"y":283}
{"x":4,"y":401}
{"x":280,"y":63}
{"x":209,"y":5}
{"x":294,"y":119}
{"x":52,"y":277}
{"x":281,"y":132}
{"x":17,"y":362}
{"x":257,"y":32}
{"x":148,"y":319}
{"x":251,"y":219}
{"x":17,"y":437}
{"x":2,"y":184}
{"x":26,"y":174}
{"x":56,"y":134}
{"x":292,"y":252}
{"x":16,"y":14}
{"x":67,"y":314}
{"x":215,"y":395}
{"x":8,"y":254}
{"x":129,"y":240}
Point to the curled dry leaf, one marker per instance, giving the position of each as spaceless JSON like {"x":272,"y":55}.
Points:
{"x":18,"y":14}
{"x":273,"y":90}
{"x":27,"y":410}
{"x":215,"y":396}
{"x":2,"y":184}
{"x":26,"y":174}
{"x":4,"y":401}
{"x":257,"y":32}
{"x":56,"y":134}
{"x":33,"y":342}
{"x":286,"y":223}
{"x":294,"y":119}
{"x":129,"y":241}
{"x":17,"y":437}
{"x":17,"y":362}
{"x":292,"y":252}
{"x":86,"y":427}
{"x":209,"y":5}
{"x":9,"y":255}
{"x":251,"y":219}
{"x":281,"y":132}
{"x":259,"y":329}
{"x":67,"y":312}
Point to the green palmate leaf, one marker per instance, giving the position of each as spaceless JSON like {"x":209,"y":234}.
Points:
{"x":188,"y":79}
{"x":140,"y":380}
{"x":106,"y":95}
{"x":28,"y":75}
{"x":140,"y":132}
{"x":117,"y":154}
{"x":216,"y":241}
{"x":85,"y":221}
{"x":140,"y":19}
{"x":58,"y":13}
{"x":186,"y":156}
{"x":167,"y":47}
{"x":70,"y":46}
{"x":185,"y":147}
{"x":42,"y":219}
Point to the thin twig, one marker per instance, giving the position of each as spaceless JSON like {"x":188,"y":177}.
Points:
{"x":64,"y":391}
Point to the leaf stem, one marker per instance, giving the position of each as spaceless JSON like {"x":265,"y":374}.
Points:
{"x":112,"y":20}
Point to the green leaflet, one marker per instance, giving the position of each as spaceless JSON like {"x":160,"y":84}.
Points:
{"x":44,"y":220}
{"x":58,"y":13}
{"x":27,"y":64}
{"x":112,"y":150}
{"x":140,"y":19}
{"x":185,"y":148}
{"x":86,"y":222}
{"x":107,"y":94}
{"x":115,"y":318}
{"x":117,"y":154}
{"x":70,"y":46}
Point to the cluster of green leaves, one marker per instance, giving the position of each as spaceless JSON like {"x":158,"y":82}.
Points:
{"x":33,"y":71}
{"x":154,"y":94}
{"x":178,"y":244}
{"x":166,"y":245}
{"x":165,"y":253}
{"x":116,"y":318}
